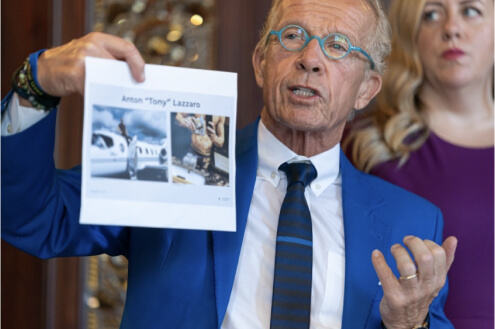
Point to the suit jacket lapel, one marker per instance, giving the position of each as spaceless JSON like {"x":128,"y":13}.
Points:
{"x":364,"y":232}
{"x":227,"y":245}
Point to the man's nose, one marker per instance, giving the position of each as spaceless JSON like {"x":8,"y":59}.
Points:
{"x":311,"y":57}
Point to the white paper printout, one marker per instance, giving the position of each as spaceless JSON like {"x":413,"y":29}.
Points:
{"x":159,"y":153}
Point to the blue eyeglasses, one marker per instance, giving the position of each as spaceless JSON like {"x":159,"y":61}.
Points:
{"x":335,"y":45}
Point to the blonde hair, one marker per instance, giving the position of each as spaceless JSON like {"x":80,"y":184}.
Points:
{"x":395,"y":127}
{"x":378,"y":42}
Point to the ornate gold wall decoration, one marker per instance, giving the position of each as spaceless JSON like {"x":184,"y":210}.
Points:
{"x":178,"y":33}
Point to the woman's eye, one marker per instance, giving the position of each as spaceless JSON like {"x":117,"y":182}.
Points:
{"x":471,"y":12}
{"x":431,"y":15}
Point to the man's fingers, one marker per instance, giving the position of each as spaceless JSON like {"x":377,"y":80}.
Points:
{"x":61,"y":70}
{"x":189,"y":123}
{"x":385,"y":275}
{"x":125,"y":50}
{"x":450,"y":246}
{"x":433,"y":261}
{"x":405,"y":264}
{"x":424,"y":257}
{"x":431,"y":258}
{"x":415,"y":290}
{"x":211,"y":131}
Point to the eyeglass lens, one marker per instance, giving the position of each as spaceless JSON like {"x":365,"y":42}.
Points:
{"x":295,"y":38}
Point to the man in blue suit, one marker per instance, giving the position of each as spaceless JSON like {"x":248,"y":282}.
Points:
{"x":362,"y":276}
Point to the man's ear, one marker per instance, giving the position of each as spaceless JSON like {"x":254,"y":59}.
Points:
{"x":370,"y":86}
{"x":259,"y":65}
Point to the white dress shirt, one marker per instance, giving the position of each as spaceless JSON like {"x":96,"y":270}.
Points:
{"x":251,"y":297}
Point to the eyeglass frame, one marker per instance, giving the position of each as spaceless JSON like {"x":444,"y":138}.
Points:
{"x":321,"y":42}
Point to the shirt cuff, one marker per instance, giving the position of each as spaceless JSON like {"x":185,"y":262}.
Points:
{"x":17,"y":118}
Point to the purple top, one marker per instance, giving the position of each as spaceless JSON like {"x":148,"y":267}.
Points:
{"x":460,"y":181}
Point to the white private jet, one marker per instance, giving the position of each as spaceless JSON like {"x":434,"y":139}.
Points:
{"x":112,"y":154}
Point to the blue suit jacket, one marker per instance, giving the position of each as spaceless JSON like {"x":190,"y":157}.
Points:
{"x":183,"y":278}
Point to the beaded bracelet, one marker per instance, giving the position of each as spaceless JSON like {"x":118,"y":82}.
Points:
{"x":25,"y":85}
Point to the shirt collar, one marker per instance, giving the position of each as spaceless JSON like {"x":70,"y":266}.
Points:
{"x":272,"y":153}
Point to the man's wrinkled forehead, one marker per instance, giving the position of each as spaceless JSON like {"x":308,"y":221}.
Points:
{"x":354,"y":16}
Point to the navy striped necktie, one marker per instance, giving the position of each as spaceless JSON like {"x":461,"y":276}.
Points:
{"x":291,"y":301}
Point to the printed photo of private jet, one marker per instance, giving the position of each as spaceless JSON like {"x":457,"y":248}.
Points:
{"x":132,"y":147}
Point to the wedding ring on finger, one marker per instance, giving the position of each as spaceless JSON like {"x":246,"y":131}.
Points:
{"x":409,"y":277}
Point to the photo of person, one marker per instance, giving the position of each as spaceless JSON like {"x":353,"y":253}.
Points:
{"x":200,"y":149}
{"x":129,"y":144}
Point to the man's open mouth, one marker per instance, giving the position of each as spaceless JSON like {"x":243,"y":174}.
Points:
{"x":304,"y":92}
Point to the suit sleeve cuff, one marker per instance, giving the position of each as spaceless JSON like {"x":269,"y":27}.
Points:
{"x":17,"y":118}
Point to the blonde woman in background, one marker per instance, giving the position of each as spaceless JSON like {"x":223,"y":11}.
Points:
{"x":432,"y":132}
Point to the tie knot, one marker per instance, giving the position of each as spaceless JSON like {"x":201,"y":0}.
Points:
{"x":303,"y":172}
